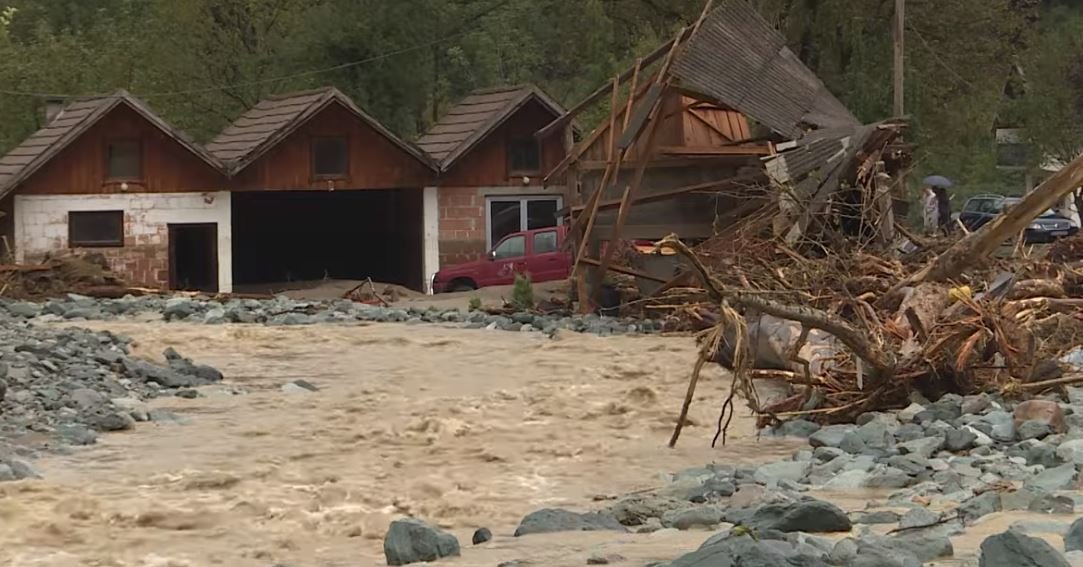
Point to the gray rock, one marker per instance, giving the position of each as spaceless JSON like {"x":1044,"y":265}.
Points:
{"x":797,"y":428}
{"x":909,"y":432}
{"x":772,"y":473}
{"x":76,"y":434}
{"x":1052,"y":504}
{"x":981,"y":505}
{"x":414,"y":541}
{"x":22,"y":469}
{"x":982,"y":439}
{"x":598,"y":559}
{"x":1051,"y":480}
{"x":1013,"y":549}
{"x":1019,"y":499}
{"x":6,"y":474}
{"x":689,"y":518}
{"x":1073,"y":540}
{"x":481,"y":536}
{"x":86,"y":398}
{"x":853,"y":444}
{"x":830,"y":436}
{"x":551,"y":520}
{"x":743,"y":551}
{"x":888,"y":477}
{"x":973,"y":405}
{"x":810,"y":516}
{"x":925,"y":447}
{"x":958,"y":440}
{"x":878,"y":434}
{"x":918,"y":518}
{"x":912,"y":465}
{"x":911,"y":412}
{"x":1071,"y":451}
{"x":848,"y":480}
{"x":1033,"y":429}
{"x":1040,"y":453}
{"x":878,"y":517}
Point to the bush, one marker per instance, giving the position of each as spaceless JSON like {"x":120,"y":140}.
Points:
{"x":522,"y":293}
{"x":475,"y":304}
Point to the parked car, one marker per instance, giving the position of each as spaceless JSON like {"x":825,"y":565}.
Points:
{"x":981,"y":209}
{"x":538,"y":252}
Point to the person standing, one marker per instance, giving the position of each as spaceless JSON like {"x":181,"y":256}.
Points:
{"x":936,"y":204}
{"x":930,"y":214}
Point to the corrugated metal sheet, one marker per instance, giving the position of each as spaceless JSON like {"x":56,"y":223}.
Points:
{"x":73,"y":120}
{"x":273,"y":119}
{"x":475,"y":117}
{"x":739,"y":60}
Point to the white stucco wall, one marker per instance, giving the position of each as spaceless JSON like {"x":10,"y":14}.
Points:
{"x":41,"y":225}
{"x":430,"y":236}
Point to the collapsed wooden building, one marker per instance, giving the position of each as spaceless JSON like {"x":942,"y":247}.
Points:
{"x":721,"y":122}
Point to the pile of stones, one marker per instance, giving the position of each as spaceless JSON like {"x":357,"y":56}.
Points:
{"x":61,"y":387}
{"x":285,"y":311}
{"x":943,"y":467}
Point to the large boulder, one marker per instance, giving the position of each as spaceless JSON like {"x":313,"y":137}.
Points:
{"x":1073,"y":540}
{"x":809,"y":516}
{"x":551,"y":520}
{"x":744,"y":551}
{"x":1013,"y":549}
{"x":414,"y":541}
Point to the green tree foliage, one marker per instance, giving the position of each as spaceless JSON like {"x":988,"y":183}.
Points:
{"x":202,"y":62}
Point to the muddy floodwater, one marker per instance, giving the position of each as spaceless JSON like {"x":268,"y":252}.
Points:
{"x":463,"y":428}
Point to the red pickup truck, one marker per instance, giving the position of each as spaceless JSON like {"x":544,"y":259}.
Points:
{"x":536,"y":252}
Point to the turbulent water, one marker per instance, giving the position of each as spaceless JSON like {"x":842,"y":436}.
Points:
{"x":462,"y":428}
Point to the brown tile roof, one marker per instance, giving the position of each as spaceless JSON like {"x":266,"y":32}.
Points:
{"x":738,"y":59}
{"x":74,"y":119}
{"x":475,"y":117}
{"x":275,"y":118}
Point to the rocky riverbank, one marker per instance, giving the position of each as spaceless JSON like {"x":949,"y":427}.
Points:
{"x":933,"y":471}
{"x":62,"y":387}
{"x":285,"y":311}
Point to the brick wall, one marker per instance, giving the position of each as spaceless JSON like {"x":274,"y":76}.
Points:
{"x":41,"y":228}
{"x":462,"y":224}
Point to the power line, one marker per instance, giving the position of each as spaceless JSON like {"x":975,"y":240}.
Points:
{"x":458,"y":33}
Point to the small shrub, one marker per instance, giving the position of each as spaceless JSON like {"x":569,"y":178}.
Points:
{"x":475,"y":304}
{"x":522,"y":292}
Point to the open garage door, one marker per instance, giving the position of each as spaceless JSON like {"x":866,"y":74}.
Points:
{"x":295,"y":236}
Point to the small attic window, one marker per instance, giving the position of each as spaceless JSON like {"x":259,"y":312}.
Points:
{"x":329,"y":158}
{"x":124,"y":160}
{"x":524,"y":156}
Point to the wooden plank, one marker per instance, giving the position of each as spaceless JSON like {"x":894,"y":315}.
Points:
{"x":598,"y":94}
{"x":740,"y":181}
{"x":588,"y":142}
{"x":622,"y":214}
{"x":741,"y":150}
{"x":595,"y":199}
{"x":643,"y":111}
{"x":624,"y":270}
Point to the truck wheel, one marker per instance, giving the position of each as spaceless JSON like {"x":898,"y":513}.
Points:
{"x":462,"y":285}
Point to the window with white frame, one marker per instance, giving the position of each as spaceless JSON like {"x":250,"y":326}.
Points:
{"x":505,"y":215}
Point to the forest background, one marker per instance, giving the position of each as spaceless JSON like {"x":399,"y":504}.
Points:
{"x":972,"y":66}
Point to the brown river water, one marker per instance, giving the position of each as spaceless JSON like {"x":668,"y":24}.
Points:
{"x":462,"y":428}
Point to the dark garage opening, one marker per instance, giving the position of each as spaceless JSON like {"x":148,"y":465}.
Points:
{"x":298,"y":236}
{"x":193,"y":257}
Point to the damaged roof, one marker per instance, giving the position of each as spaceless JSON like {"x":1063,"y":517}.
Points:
{"x":475,"y":117}
{"x":71,"y":122}
{"x":273,"y":119}
{"x":739,"y":60}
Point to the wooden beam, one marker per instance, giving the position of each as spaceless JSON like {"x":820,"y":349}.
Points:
{"x":612,"y":170}
{"x":625,"y":271}
{"x":589,"y":141}
{"x":740,"y":181}
{"x":715,"y":150}
{"x":598,"y":94}
{"x":622,"y":214}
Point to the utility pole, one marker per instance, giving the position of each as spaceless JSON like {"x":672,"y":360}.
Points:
{"x":899,"y":35}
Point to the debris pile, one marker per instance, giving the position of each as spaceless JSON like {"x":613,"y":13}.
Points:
{"x":852,"y":319}
{"x":56,"y":275}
